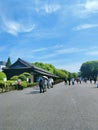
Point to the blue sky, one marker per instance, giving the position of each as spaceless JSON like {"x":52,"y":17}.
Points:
{"x":63,"y":33}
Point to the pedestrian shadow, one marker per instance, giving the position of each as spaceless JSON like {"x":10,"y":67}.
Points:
{"x":35,"y":91}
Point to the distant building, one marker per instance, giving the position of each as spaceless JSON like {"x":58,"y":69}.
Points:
{"x":2,"y":65}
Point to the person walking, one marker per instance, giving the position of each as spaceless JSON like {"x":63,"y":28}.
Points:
{"x":41,"y":85}
{"x":73,"y":80}
{"x":65,"y":80}
{"x":69,"y":81}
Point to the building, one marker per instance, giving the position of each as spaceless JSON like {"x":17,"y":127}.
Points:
{"x":21,"y":66}
{"x":2,"y":65}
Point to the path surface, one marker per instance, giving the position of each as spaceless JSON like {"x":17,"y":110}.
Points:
{"x":60,"y":108}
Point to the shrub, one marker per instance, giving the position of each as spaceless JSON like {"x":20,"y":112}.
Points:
{"x":22,"y":77}
{"x":28,"y":75}
{"x":10,"y":85}
{"x":2,"y":75}
{"x":32,"y":84}
{"x":14,"y":78}
{"x":24,"y":84}
{"x":2,"y":85}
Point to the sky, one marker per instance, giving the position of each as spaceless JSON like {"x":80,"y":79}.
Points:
{"x":63,"y":33}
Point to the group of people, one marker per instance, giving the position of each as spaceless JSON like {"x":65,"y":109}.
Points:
{"x":77,"y":80}
{"x":45,"y":83}
{"x":72,"y":81}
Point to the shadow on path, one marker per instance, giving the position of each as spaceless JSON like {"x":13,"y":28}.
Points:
{"x":34,"y":91}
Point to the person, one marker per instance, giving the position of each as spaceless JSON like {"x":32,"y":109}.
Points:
{"x":65,"y":80}
{"x":20,"y":87}
{"x":41,"y":85}
{"x":90,"y":79}
{"x":45,"y":83}
{"x":69,"y":80}
{"x":73,"y":80}
{"x":77,"y":80}
{"x":50,"y":83}
{"x":95,"y":80}
{"x":80,"y":80}
{"x":85,"y":80}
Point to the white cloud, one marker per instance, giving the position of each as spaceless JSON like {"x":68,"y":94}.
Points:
{"x":54,"y":51}
{"x":14,"y":27}
{"x":51,"y":55}
{"x":36,"y":54}
{"x":39,"y":50}
{"x":19,"y":52}
{"x":69,"y":50}
{"x":91,"y":6}
{"x":47,"y":48}
{"x":51,"y":8}
{"x":85,"y":26}
{"x":74,"y":67}
{"x":85,"y":9}
{"x":47,"y":8}
{"x":92,"y":53}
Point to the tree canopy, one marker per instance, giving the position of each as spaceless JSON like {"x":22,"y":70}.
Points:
{"x":8,"y":63}
{"x":89,"y":69}
{"x":58,"y":72}
{"x":45,"y":66}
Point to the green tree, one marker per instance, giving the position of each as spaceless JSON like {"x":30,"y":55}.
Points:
{"x":52,"y":69}
{"x":45,"y":66}
{"x":8,"y":63}
{"x":74,"y":75}
{"x":89,"y":69}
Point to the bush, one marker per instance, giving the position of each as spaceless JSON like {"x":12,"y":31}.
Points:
{"x":2,"y":85}
{"x":58,"y":81}
{"x":28,"y":75}
{"x":24,"y":84}
{"x":2,"y":75}
{"x":14,"y":78}
{"x":10,"y":85}
{"x":22,"y":77}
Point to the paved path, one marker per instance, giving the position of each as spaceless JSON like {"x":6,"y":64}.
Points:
{"x":60,"y":108}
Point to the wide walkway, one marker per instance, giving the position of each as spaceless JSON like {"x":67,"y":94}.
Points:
{"x":60,"y":108}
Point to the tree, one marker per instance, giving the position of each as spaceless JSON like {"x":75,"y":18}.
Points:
{"x":61,"y":73}
{"x":52,"y":69}
{"x":89,"y":69}
{"x":8,"y":63}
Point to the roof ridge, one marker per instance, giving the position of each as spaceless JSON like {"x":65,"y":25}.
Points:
{"x":25,"y":62}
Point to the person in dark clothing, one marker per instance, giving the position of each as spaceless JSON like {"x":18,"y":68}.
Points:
{"x":41,"y":85}
{"x":65,"y":81}
{"x":95,"y":79}
{"x":69,"y":80}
